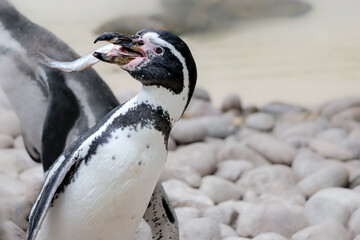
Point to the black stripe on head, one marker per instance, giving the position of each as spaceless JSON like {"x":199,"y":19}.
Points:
{"x":175,"y":66}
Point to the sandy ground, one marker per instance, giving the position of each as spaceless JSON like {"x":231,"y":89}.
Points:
{"x":305,"y":60}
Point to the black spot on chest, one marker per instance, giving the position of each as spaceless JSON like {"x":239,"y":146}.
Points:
{"x":139,"y":117}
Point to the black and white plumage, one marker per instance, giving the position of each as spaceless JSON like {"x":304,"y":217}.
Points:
{"x":116,"y":164}
{"x":54,"y":107}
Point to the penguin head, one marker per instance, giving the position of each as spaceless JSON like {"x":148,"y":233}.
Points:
{"x":153,"y":57}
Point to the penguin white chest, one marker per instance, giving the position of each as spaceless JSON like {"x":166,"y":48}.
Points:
{"x":109,"y":193}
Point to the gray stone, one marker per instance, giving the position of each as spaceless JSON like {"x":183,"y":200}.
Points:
{"x":275,"y":181}
{"x":298,"y":141}
{"x":184,"y":173}
{"x":232,"y":169}
{"x":19,"y":143}
{"x":201,"y":229}
{"x":6,"y":141}
{"x":143,"y":231}
{"x":326,"y":231}
{"x":199,"y":156}
{"x":224,"y":213}
{"x":181,"y":195}
{"x":201,"y":93}
{"x":10,"y":231}
{"x":14,"y":161}
{"x":307,"y":162}
{"x":345,"y":197}
{"x":200,"y":107}
{"x":334,"y":135}
{"x":235,"y":150}
{"x":220,"y":126}
{"x":236,"y":238}
{"x":231,"y":101}
{"x":11,"y":186}
{"x":348,"y":119}
{"x":354,"y":224}
{"x":281,"y":108}
{"x":220,"y":190}
{"x":260,"y":121}
{"x":256,"y":219}
{"x":319,"y":210}
{"x":331,"y":150}
{"x":353,"y":145}
{"x":273,"y":149}
{"x":305,"y":129}
{"x":188,"y":131}
{"x":184,"y":214}
{"x":9,"y":123}
{"x":33,"y":177}
{"x":227,"y":231}
{"x":354,"y":134}
{"x":335,"y":106}
{"x":269,"y":236}
{"x":330,"y":176}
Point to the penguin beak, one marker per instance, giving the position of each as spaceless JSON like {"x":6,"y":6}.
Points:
{"x":126,"y":48}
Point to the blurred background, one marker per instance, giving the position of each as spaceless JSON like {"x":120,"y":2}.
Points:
{"x":299,"y":52}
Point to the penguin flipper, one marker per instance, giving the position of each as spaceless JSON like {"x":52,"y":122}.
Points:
{"x":53,"y":181}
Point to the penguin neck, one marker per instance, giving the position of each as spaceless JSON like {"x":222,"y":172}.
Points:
{"x":157,"y":96}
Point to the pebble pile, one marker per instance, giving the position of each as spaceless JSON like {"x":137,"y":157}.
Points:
{"x":233,"y":173}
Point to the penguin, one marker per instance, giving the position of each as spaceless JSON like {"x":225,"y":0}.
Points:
{"x":99,"y":188}
{"x":55,"y":108}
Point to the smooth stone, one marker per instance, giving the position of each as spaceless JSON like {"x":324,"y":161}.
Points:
{"x":184,"y":214}
{"x":231,"y":102}
{"x":182,"y":195}
{"x":335,"y":106}
{"x":143,"y":231}
{"x":354,"y":224}
{"x":298,"y":141}
{"x":354,"y":169}
{"x":10,"y":231}
{"x":200,"y":107}
{"x":219,"y":126}
{"x":331,"y":150}
{"x":19,"y":142}
{"x":227,"y":231}
{"x":199,"y":156}
{"x":201,"y":229}
{"x":9,"y":123}
{"x":256,"y":219}
{"x":354,"y":134}
{"x":245,"y":133}
{"x":273,"y":149}
{"x":281,"y":108}
{"x":348,"y":119}
{"x":171,"y":144}
{"x":216,"y":144}
{"x":220,"y":190}
{"x":334,"y":135}
{"x":201,"y":93}
{"x":125,"y":95}
{"x":33,"y":176}
{"x":11,"y":186}
{"x":6,"y":141}
{"x":326,"y":231}
{"x":236,"y":150}
{"x":319,"y":210}
{"x":185,"y":174}
{"x":14,"y":161}
{"x":187,"y":131}
{"x":225,"y":213}
{"x":269,"y":236}
{"x":236,"y":238}
{"x":260,"y":121}
{"x":353,"y":145}
{"x":231,"y":170}
{"x":18,"y":208}
{"x":307,"y":162}
{"x":328,"y":177}
{"x":277,"y":181}
{"x":357,"y":237}
{"x":348,"y":198}
{"x":305,"y":129}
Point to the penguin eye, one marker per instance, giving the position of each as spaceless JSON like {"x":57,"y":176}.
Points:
{"x":158,"y":50}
